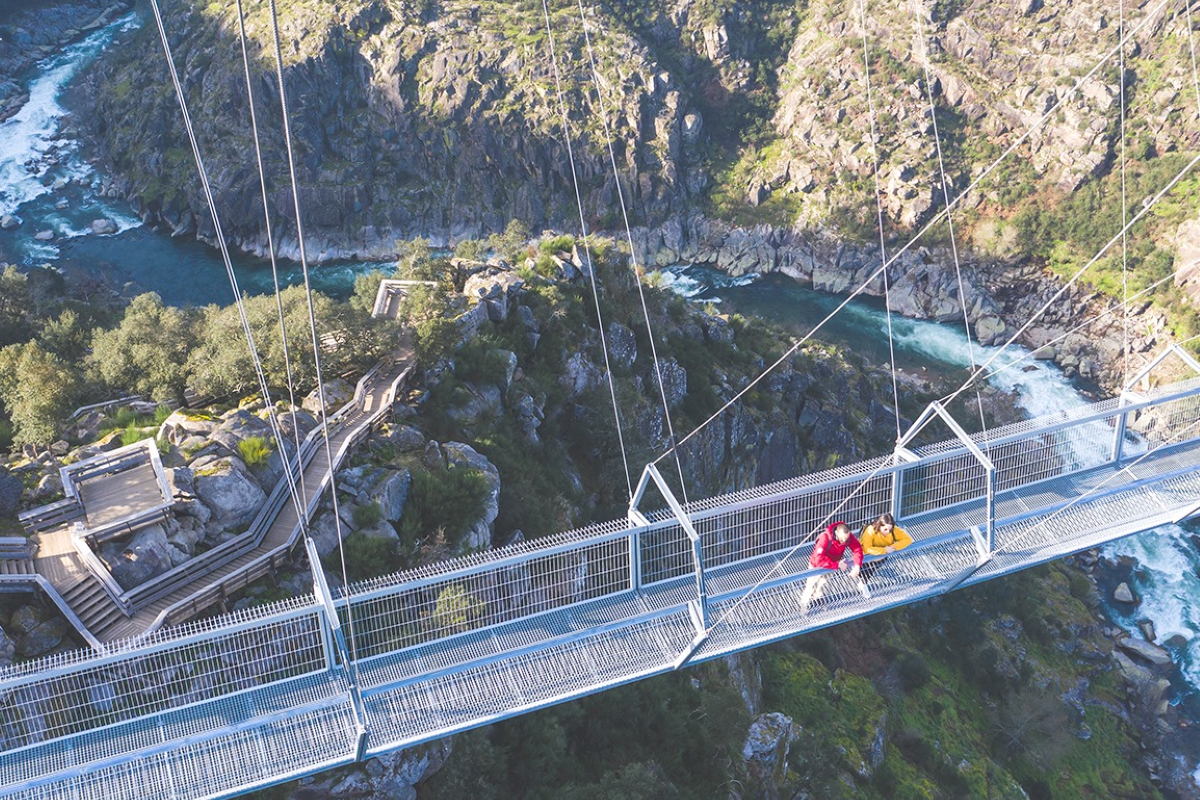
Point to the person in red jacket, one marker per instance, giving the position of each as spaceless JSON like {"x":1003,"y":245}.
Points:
{"x":828,"y":553}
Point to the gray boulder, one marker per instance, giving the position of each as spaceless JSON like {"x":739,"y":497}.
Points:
{"x":8,"y":649}
{"x":579,"y":375}
{"x":380,"y":530}
{"x":324,"y":533}
{"x":493,"y":287}
{"x":229,"y":490}
{"x":622,"y":344}
{"x":179,"y":428}
{"x":146,"y":555}
{"x":404,"y":438}
{"x":103,"y":226}
{"x":337,"y":393}
{"x":9,"y":222}
{"x":43,"y":639}
{"x":765,"y":750}
{"x":1146,"y":652}
{"x":391,"y":493}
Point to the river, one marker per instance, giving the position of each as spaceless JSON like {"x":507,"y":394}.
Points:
{"x":46,"y":183}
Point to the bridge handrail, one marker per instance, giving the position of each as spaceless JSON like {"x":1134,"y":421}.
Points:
{"x":504,"y":558}
{"x":203,"y":632}
{"x":100,"y":571}
{"x":103,"y":654}
{"x":15,"y":547}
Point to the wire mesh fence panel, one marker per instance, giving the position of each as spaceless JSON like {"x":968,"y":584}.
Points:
{"x":1167,"y":423}
{"x":35,"y":710}
{"x":938,"y":483}
{"x":406,"y":616}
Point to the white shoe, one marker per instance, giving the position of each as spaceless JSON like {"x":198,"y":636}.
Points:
{"x":863,"y":590}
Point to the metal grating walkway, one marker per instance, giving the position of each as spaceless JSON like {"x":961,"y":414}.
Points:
{"x":236,"y":703}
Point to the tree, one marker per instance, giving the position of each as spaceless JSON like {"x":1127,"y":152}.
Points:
{"x":67,"y":336}
{"x":38,"y":390}
{"x":14,"y":306}
{"x":147,"y":352}
{"x":427,"y":314}
{"x":220,"y":363}
{"x":366,"y":287}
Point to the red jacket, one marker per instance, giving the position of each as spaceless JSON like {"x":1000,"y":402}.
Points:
{"x":828,"y":551}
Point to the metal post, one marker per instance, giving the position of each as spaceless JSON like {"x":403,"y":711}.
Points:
{"x":897,"y":489}
{"x":635,"y":560}
{"x":1118,"y":445}
{"x":651,"y":473}
{"x":991,"y":508}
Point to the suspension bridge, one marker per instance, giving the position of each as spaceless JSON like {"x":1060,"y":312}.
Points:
{"x":225,"y":705}
{"x":217,"y":707}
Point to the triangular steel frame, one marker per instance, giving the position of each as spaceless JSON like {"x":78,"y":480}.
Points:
{"x":1130,"y":395}
{"x":697,"y":609}
{"x":903,"y":454}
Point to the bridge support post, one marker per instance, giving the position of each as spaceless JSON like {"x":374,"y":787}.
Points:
{"x":336,"y":642}
{"x":935,"y":409}
{"x":991,"y":507}
{"x":651,"y":473}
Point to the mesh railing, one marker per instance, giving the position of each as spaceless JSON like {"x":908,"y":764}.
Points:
{"x":410,"y":616}
{"x":37,"y":708}
{"x":457,"y":616}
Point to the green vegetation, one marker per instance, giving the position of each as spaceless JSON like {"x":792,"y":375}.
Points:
{"x":366,"y":515}
{"x":255,"y":450}
{"x":445,"y":501}
{"x":366,"y":557}
{"x":1068,"y":232}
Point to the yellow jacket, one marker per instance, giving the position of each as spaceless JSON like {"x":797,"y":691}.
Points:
{"x":874,"y":542}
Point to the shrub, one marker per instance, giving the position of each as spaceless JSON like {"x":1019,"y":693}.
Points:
{"x":367,"y":515}
{"x":449,"y":499}
{"x":255,"y":450}
{"x":913,"y":671}
{"x":132,"y":434}
{"x":366,"y":557}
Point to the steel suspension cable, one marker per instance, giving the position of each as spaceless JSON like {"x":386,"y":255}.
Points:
{"x":612,"y":156}
{"x":312,"y":323}
{"x":1124,"y":203}
{"x":937,"y":142}
{"x":887,"y":290}
{"x":1187,"y":5}
{"x":223,"y":247}
{"x":987,"y":171}
{"x":262,"y":181}
{"x":562,"y":106}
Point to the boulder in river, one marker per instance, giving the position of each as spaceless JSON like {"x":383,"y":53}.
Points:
{"x":103,"y":226}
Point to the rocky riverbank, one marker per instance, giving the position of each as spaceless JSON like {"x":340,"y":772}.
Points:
{"x":32,"y":31}
{"x":1079,"y":329}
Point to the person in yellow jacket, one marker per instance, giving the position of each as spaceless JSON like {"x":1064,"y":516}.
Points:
{"x":882,"y":538}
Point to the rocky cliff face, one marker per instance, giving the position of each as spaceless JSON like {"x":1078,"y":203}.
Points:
{"x":994,"y":71}
{"x":445,"y":125}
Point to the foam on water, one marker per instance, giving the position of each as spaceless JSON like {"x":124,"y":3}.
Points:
{"x":27,"y":136}
{"x":1166,"y":580}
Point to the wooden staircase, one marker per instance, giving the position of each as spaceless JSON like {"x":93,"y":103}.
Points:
{"x":95,"y":609}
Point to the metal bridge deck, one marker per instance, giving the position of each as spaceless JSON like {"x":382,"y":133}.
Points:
{"x":236,"y":703}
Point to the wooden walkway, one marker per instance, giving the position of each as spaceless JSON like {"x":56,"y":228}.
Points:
{"x":108,"y":498}
{"x":279,"y":535}
{"x":113,"y":497}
